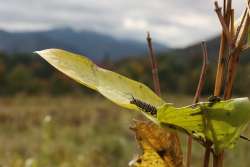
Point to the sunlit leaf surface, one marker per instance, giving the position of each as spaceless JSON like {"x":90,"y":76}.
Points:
{"x":115,"y":87}
{"x":222,"y":122}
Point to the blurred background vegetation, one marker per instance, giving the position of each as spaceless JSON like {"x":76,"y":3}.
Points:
{"x":46,"y":119}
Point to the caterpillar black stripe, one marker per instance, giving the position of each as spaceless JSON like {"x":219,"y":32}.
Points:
{"x":148,"y":108}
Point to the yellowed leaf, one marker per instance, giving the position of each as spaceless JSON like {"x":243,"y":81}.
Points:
{"x":160,"y":148}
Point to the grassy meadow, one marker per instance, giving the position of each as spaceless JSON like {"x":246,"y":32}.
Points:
{"x":78,"y":131}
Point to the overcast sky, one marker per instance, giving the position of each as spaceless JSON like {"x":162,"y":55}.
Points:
{"x":176,"y":23}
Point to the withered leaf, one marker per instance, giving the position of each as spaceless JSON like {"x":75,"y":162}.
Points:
{"x":159,"y":147}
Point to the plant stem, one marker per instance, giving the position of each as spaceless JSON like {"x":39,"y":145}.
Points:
{"x":240,"y":26}
{"x":221,"y":60}
{"x":232,"y":30}
{"x":223,"y":23}
{"x":226,"y":42}
{"x":201,"y":85}
{"x":154,"y":66}
{"x":203,"y":74}
{"x":235,"y":50}
{"x":198,"y":92}
{"x":189,"y":151}
{"x":172,"y":135}
{"x":197,"y":96}
{"x":207,"y":154}
{"x":234,"y":60}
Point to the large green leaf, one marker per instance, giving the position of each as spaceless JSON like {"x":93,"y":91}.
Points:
{"x":222,"y":122}
{"x":113,"y":86}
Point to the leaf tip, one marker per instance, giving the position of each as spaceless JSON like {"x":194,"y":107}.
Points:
{"x":45,"y":51}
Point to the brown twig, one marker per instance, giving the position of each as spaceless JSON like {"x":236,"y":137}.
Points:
{"x":240,"y":26}
{"x":221,"y":65}
{"x":229,"y":7}
{"x":224,"y":8}
{"x":234,"y":60}
{"x":173,"y":135}
{"x":233,"y":56}
{"x":198,"y":92}
{"x":203,"y":73}
{"x":218,"y":159}
{"x":223,"y":23}
{"x":153,"y":65}
{"x":232,"y":30}
{"x":197,"y":96}
{"x":189,"y":151}
{"x":207,"y":154}
{"x":223,"y":44}
{"x":242,"y":36}
{"x":215,"y":161}
{"x":248,"y":8}
{"x":226,"y":42}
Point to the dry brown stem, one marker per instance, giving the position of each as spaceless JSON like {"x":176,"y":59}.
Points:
{"x":248,"y":8}
{"x":234,"y":60}
{"x":240,"y":26}
{"x":172,"y":136}
{"x":226,"y":42}
{"x":235,"y":49}
{"x":207,"y":154}
{"x":203,"y":73}
{"x":223,"y":23}
{"x":224,"y":7}
{"x":153,"y":66}
{"x":197,"y":96}
{"x":232,"y":30}
{"x":222,"y":55}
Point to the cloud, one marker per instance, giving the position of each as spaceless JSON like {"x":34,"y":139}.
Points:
{"x":174,"y":22}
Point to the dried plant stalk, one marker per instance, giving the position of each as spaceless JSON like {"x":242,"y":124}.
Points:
{"x":226,"y":42}
{"x":154,"y":66}
{"x":173,"y":137}
{"x":224,"y":23}
{"x":234,"y":60}
{"x":235,"y":49}
{"x":197,"y":96}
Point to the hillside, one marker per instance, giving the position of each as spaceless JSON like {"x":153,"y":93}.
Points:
{"x":93,"y":44}
{"x":212,"y":47}
{"x":195,"y":49}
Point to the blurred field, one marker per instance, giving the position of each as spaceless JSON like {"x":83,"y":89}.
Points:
{"x":77,"y":131}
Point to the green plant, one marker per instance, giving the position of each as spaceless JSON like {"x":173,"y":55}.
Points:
{"x":219,"y":122}
{"x":215,"y":124}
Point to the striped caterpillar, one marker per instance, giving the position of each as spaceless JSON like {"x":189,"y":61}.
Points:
{"x":148,"y":108}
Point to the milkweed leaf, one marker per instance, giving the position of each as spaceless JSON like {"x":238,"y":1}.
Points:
{"x":222,"y":122}
{"x":113,"y":86}
{"x":158,"y":150}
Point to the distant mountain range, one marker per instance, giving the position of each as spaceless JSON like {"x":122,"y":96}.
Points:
{"x":92,"y":44}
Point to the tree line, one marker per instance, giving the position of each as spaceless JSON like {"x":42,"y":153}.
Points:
{"x":29,"y":74}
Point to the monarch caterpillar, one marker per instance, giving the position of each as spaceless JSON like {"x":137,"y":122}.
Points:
{"x":144,"y":106}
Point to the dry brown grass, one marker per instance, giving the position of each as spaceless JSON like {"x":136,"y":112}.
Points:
{"x":83,"y":131}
